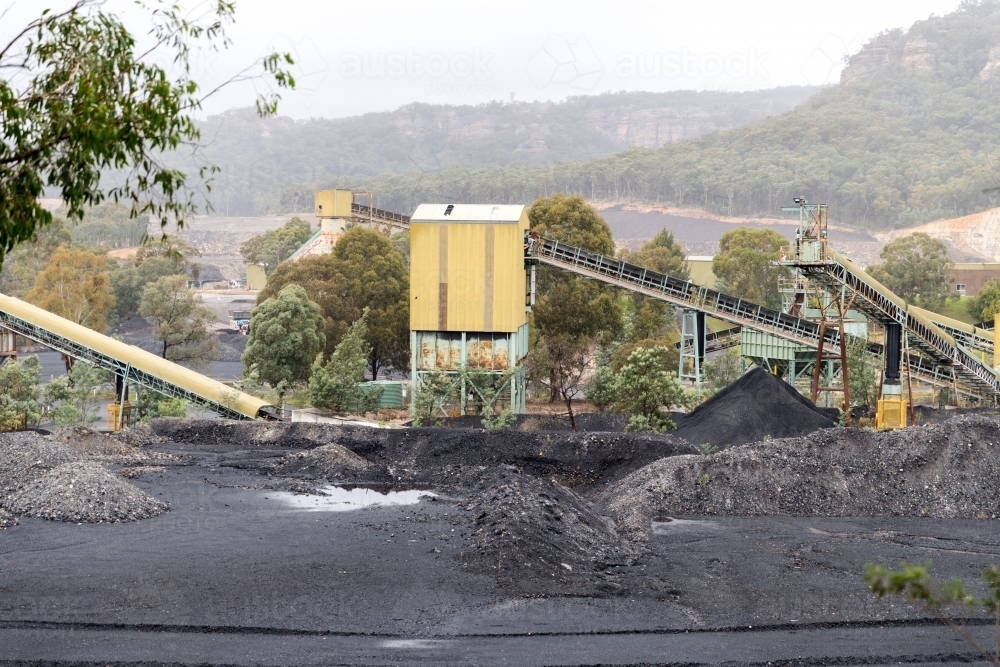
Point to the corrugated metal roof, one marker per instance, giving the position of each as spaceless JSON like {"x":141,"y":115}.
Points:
{"x":468,"y":213}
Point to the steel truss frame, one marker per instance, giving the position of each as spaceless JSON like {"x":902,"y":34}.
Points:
{"x":941,"y":370}
{"x":120,"y":368}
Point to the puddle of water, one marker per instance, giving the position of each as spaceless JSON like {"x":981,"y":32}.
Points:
{"x":341,"y":499}
{"x":677,"y":525}
{"x":414,"y":643}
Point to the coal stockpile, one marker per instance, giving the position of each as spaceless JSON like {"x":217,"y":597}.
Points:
{"x":433,"y":455}
{"x":25,"y":456}
{"x":757,"y":406}
{"x":539,"y":537}
{"x":949,"y":470}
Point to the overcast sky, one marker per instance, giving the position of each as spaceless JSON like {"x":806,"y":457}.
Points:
{"x":377,"y":55}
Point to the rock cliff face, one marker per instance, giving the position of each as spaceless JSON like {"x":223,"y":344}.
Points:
{"x":616,"y":121}
{"x":977,"y":235}
{"x":932,"y":47}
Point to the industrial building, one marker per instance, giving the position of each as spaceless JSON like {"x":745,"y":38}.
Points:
{"x":470,"y":296}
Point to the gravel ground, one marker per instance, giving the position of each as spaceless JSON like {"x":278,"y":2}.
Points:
{"x":25,"y":456}
{"x":83,"y":492}
{"x":7,"y":519}
{"x":948,"y":470}
{"x":434,"y":582}
{"x":757,"y":406}
{"x":48,"y":479}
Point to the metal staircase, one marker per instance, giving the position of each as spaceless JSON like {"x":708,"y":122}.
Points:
{"x":944,"y":344}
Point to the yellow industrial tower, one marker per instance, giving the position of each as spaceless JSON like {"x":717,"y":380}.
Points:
{"x":470,"y":294}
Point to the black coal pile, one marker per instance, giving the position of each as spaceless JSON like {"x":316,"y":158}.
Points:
{"x":25,"y":456}
{"x":757,"y":406}
{"x":949,"y":470}
{"x":443,"y":456}
{"x":330,"y":463}
{"x":133,"y":325}
{"x":538,"y":537}
{"x":231,"y":345}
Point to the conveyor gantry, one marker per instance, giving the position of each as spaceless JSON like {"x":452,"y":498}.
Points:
{"x":681,"y":293}
{"x":372,"y":215}
{"x":128,"y":362}
{"x":879,"y":303}
{"x":684,"y":294}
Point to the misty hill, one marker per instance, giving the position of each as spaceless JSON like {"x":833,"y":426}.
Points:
{"x":911,"y":134}
{"x":261,"y":157}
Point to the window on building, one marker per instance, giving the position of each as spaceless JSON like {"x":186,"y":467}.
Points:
{"x":960,"y":288}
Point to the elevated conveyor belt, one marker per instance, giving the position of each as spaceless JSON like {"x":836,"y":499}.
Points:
{"x":679,"y":292}
{"x":378,"y":216}
{"x":127,"y":361}
{"x":879,"y":303}
{"x":731,"y":309}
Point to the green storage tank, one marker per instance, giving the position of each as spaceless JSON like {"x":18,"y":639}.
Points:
{"x":394,"y":392}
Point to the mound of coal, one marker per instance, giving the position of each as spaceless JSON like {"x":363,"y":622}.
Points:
{"x":757,"y":406}
{"x":83,"y":492}
{"x":331,"y":462}
{"x":434,"y":455}
{"x":25,"y":456}
{"x":538,"y":537}
{"x":133,"y":325}
{"x":940,"y":470}
{"x":140,"y":435}
{"x":231,"y":346}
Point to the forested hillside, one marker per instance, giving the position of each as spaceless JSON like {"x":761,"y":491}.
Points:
{"x":911,"y":134}
{"x":270,"y":164}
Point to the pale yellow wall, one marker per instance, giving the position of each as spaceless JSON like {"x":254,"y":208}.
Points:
{"x":333,"y":203}
{"x":701,"y":273}
{"x":423,"y":276}
{"x":465,"y":272}
{"x":256,"y":278}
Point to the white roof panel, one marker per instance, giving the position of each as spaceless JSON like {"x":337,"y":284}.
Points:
{"x":467,"y":213}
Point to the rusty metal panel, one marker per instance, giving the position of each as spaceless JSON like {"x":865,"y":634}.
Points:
{"x":501,"y":357}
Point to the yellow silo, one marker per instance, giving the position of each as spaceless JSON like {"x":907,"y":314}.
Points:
{"x":469,"y":292}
